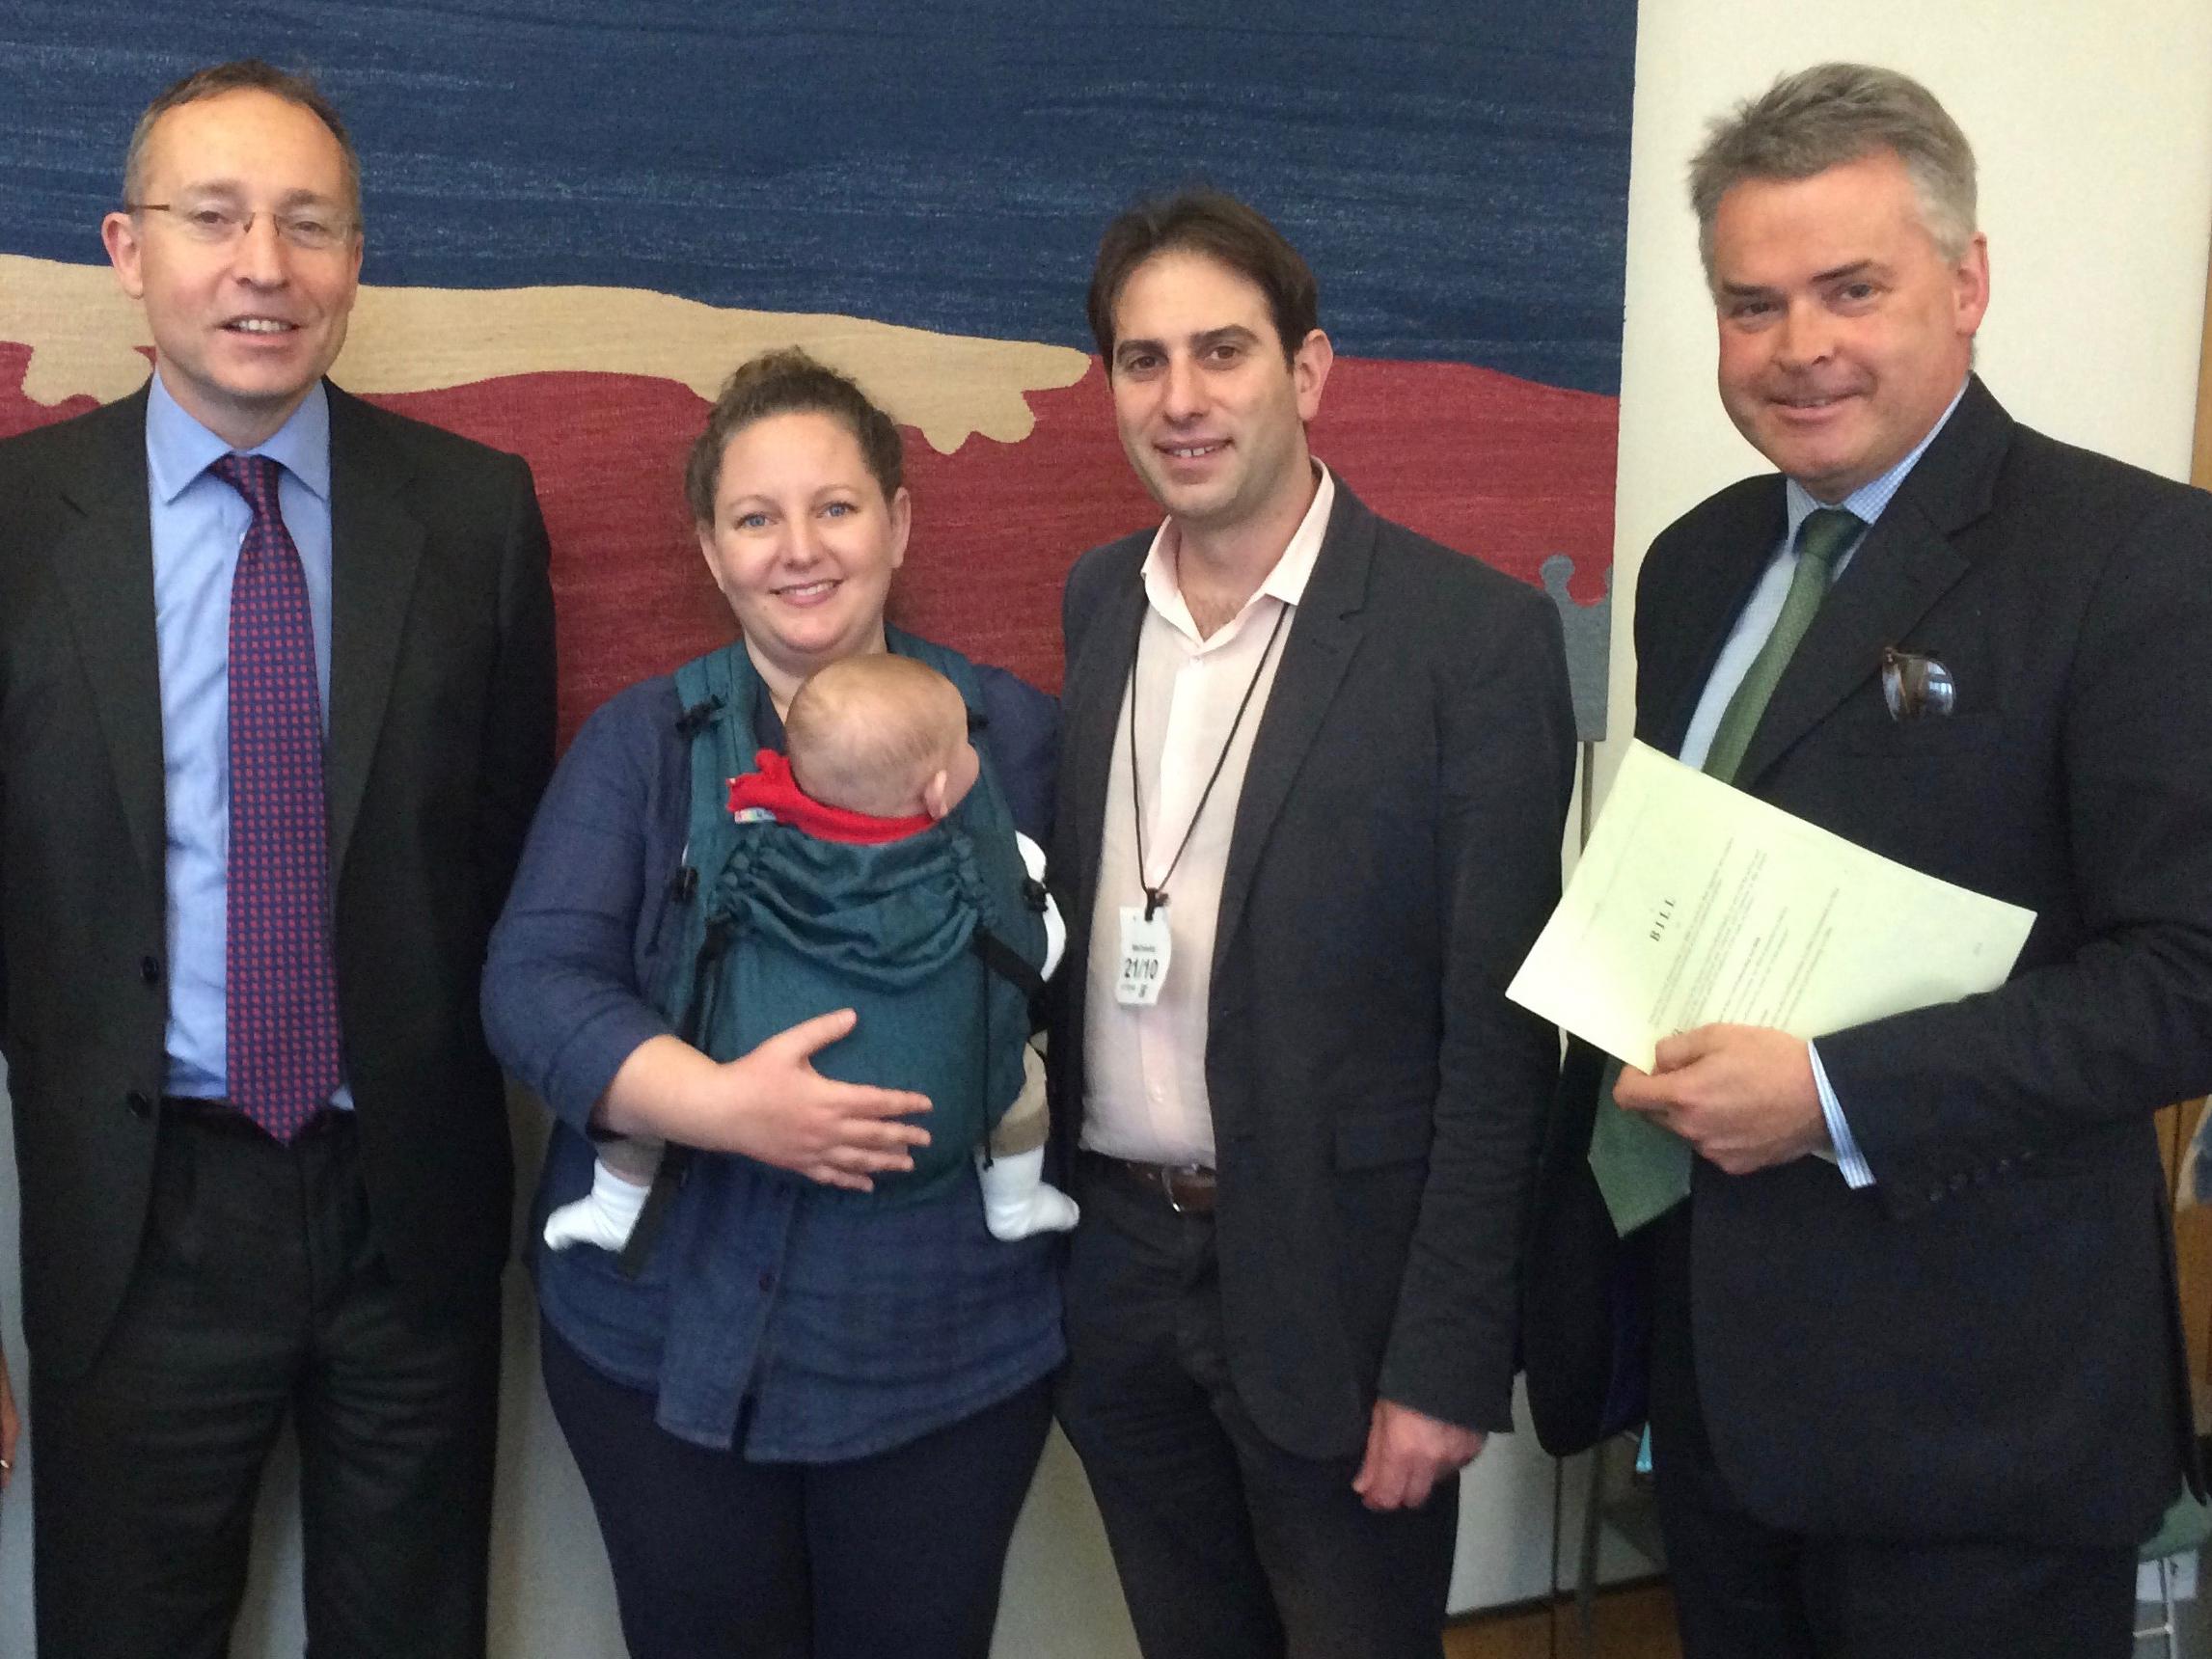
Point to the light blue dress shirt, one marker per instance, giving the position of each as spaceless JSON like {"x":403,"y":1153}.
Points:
{"x":199,"y":524}
{"x":1752,"y":627}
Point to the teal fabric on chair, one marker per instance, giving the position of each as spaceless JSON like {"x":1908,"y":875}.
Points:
{"x":2186,"y":1527}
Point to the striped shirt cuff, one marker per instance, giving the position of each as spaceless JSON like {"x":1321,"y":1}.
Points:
{"x":1848,"y":1158}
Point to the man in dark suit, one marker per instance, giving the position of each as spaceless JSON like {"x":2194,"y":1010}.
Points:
{"x":276,"y":677}
{"x":1923,"y":1394}
{"x":1314,"y":779}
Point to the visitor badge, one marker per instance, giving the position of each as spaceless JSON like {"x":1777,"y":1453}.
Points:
{"x":1144,"y":954}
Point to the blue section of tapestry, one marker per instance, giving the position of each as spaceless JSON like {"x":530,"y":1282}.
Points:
{"x":1456,"y":173}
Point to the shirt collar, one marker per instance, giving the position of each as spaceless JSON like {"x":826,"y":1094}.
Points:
{"x":1869,"y":500}
{"x":178,"y":448}
{"x":1285,"y":583}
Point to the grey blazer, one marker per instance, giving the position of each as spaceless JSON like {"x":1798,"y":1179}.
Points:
{"x":1377,"y":1102}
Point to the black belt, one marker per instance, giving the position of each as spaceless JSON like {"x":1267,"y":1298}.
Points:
{"x":1188,"y":1189}
{"x":224,"y":1117}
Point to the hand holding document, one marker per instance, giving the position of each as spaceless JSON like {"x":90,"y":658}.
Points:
{"x":1696,"y":904}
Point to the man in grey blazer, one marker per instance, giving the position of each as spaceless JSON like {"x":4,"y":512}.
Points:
{"x":1314,"y":776}
{"x":1922,"y":1396}
{"x":276,"y":703}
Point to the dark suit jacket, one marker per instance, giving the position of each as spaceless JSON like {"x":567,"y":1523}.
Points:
{"x":440,"y":737}
{"x":1377,"y":1101}
{"x":1985,"y":1343}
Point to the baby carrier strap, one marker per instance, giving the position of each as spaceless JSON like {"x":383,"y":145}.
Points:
{"x":1009,"y":964}
{"x":999,"y":955}
{"x":718,"y":694}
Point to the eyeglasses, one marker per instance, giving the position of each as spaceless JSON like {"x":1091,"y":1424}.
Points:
{"x":311,"y":232}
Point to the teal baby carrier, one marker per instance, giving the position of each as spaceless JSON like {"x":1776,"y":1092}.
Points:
{"x":933,"y":939}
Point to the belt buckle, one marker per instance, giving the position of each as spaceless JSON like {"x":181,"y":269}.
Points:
{"x":1169,"y":1173}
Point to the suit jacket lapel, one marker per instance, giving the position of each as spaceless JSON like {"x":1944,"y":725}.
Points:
{"x":377,"y":544}
{"x":1903,"y":567}
{"x":105,"y":566}
{"x":1096,"y":683}
{"x":1316,"y":651}
{"x":1723,"y":576}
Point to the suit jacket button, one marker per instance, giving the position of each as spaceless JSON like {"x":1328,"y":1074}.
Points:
{"x":149,"y":970}
{"x":140,"y":1105}
{"x":1959,"y":1183}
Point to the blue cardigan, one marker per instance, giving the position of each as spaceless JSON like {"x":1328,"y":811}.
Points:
{"x":859,"y":1327}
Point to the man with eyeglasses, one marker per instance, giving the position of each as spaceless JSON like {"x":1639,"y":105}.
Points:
{"x":1916,"y":1372}
{"x":276,"y":704}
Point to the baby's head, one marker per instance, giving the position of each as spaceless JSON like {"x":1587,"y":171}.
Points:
{"x":882,"y":735}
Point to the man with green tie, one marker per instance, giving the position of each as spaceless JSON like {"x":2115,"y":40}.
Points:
{"x":1898,"y":1302}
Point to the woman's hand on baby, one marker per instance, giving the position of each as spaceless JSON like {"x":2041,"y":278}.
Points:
{"x":770,"y":1104}
{"x":837,"y":1134}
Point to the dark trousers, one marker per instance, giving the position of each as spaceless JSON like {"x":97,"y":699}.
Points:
{"x":1228,"y":1546}
{"x":717,"y":1558}
{"x":1744,"y":1589}
{"x":258,"y":1295}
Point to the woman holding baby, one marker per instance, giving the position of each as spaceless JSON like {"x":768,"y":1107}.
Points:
{"x":807,"y":1413}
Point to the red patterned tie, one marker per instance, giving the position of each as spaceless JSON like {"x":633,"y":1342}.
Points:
{"x":280,"y":988}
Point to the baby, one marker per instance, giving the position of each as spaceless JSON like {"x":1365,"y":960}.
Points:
{"x":878,"y":750}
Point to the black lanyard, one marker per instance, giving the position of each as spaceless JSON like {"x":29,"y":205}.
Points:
{"x":1155,"y":897}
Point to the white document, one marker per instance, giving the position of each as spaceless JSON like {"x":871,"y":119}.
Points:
{"x":1696,"y":904}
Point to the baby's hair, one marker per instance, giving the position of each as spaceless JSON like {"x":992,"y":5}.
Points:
{"x":867,"y":733}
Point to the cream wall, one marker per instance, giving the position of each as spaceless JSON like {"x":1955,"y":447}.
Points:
{"x":2093,"y":123}
{"x":2094,"y":126}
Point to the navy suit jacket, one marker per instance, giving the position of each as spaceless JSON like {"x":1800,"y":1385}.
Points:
{"x":1985,"y":1343}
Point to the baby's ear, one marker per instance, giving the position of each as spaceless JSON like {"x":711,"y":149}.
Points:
{"x":933,"y":794}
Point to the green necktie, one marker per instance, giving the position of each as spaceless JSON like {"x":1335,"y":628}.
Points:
{"x":1642,"y":1170}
